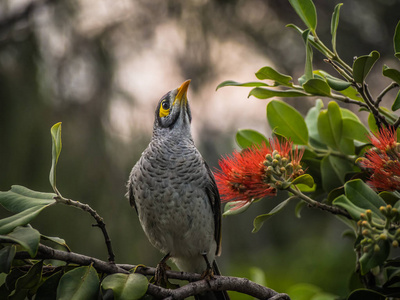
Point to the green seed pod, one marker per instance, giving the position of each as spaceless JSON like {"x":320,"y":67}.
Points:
{"x":383,"y":237}
{"x":376,"y":248}
{"x":395,"y":243}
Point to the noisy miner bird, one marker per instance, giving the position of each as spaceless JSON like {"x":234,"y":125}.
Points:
{"x":175,"y":195}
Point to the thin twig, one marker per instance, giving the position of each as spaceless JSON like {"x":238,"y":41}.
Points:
{"x":345,"y":99}
{"x":312,"y":203}
{"x":383,"y":93}
{"x":96,"y":216}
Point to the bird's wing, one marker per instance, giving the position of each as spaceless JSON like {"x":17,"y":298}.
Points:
{"x":215,"y":201}
{"x":130,"y":194}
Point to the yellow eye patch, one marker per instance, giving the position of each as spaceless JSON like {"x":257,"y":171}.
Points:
{"x":164,"y":108}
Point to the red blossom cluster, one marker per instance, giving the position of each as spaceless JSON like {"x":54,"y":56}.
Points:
{"x":258,"y":171}
{"x":383,"y":161}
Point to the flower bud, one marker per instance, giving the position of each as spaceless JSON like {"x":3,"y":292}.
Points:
{"x":395,"y":243}
{"x":366,"y":232}
{"x":383,"y":237}
{"x":376,"y":248}
{"x":383,"y":210}
{"x":363,"y":216}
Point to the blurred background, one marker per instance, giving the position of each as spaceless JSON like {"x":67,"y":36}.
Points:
{"x":101,"y":66}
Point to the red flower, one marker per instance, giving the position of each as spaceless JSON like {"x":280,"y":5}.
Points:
{"x":257,"y":172}
{"x":383,"y":161}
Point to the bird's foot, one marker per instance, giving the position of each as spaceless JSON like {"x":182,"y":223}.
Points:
{"x":160,"y":276}
{"x":208,"y":274}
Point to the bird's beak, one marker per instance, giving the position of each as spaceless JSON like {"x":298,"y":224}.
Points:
{"x":182,"y":92}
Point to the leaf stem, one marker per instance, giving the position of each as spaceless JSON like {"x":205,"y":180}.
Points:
{"x":96,"y":216}
{"x":315,"y":204}
{"x":383,"y":93}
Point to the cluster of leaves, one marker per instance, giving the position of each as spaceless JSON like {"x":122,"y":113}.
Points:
{"x":23,"y":274}
{"x":334,"y":138}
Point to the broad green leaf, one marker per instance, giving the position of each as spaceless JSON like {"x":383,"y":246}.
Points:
{"x":317,"y":87}
{"x":348,"y":114}
{"x":31,"y":279}
{"x":337,"y":84}
{"x":231,"y":209}
{"x":389,"y":198}
{"x":351,"y":93}
{"x":312,"y":124}
{"x":27,"y":237}
{"x":334,"y":25}
{"x":271,"y":74}
{"x":372,"y":123}
{"x":48,"y":290}
{"x":396,"y":103}
{"x":299,"y":207}
{"x":372,"y":259}
{"x":287,"y":121}
{"x":79,"y":283}
{"x":23,"y":218}
{"x":359,"y":193}
{"x":343,"y":202}
{"x":246,"y":84}
{"x":333,"y":170}
{"x":363,"y":294}
{"x":396,"y":40}
{"x":308,"y":69}
{"x":6,"y":258}
{"x":363,"y":65}
{"x":56,"y":150}
{"x":259,"y":220}
{"x":126,"y":286}
{"x":58,"y":241}
{"x":266,"y":93}
{"x":247,"y":137}
{"x":354,"y":130}
{"x":330,"y":125}
{"x":391,"y":73}
{"x":305,"y":179}
{"x":307,"y":12}
{"x":20,"y":198}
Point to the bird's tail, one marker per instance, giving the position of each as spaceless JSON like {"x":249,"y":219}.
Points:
{"x":213,"y":295}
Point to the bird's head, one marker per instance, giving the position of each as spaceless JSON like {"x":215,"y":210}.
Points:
{"x":173,"y":111}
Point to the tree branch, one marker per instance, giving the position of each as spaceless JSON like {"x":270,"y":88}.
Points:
{"x":197,"y":284}
{"x":383,"y":93}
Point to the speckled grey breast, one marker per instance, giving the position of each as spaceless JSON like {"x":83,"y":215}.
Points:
{"x":168,"y":186}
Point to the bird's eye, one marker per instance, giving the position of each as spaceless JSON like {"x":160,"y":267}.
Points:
{"x":164,"y":108}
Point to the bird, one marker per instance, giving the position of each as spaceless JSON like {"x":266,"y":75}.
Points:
{"x":175,"y":194}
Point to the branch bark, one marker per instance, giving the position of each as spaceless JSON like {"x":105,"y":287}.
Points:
{"x":195,"y":286}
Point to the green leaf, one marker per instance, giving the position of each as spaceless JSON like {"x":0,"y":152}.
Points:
{"x":305,"y":179}
{"x":247,"y":137}
{"x":58,"y":241}
{"x":317,"y":87}
{"x":372,"y":259}
{"x":337,"y":84}
{"x":391,"y":73}
{"x":56,"y":150}
{"x":287,"y":121}
{"x":299,"y":208}
{"x":21,"y":219}
{"x":126,"y":286}
{"x":363,"y":294}
{"x":334,"y":25}
{"x":20,"y":198}
{"x":333,"y":170}
{"x":396,"y":103}
{"x":311,"y":39}
{"x":231,"y":209}
{"x":31,"y":279}
{"x":266,"y":93}
{"x":271,"y":74}
{"x":354,"y":130}
{"x":312,"y":124}
{"x":79,"y":283}
{"x":259,"y":220}
{"x":389,"y":198}
{"x":351,"y":93}
{"x":343,"y":202}
{"x":372,"y":123}
{"x":6,"y":258}
{"x":246,"y":84}
{"x":363,"y":196}
{"x":27,"y":237}
{"x":330,"y":125}
{"x":308,"y":70}
{"x":396,"y":40}
{"x":48,"y":290}
{"x":307,"y":12}
{"x":363,"y":64}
